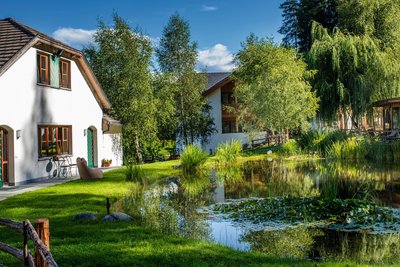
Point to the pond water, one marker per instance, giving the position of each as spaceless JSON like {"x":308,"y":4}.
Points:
{"x":184,"y":206}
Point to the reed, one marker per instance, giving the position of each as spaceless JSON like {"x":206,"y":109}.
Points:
{"x":193,"y":159}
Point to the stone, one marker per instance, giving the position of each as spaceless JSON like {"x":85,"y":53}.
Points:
{"x":86,"y":216}
{"x":269,"y":152}
{"x":117,"y":216}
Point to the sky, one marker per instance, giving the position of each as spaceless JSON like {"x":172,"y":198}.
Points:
{"x":218,"y":27}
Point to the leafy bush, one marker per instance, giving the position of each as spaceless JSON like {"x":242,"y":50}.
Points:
{"x":228,"y":153}
{"x":289,"y":148}
{"x":193,"y":159}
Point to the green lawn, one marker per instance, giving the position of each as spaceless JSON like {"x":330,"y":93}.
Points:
{"x":115,"y":244}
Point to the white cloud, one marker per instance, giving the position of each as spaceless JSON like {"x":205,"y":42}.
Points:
{"x":217,"y":58}
{"x":208,"y":8}
{"x":74,"y":37}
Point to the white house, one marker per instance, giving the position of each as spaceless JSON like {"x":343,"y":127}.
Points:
{"x":219,"y":93}
{"x":51,"y":105}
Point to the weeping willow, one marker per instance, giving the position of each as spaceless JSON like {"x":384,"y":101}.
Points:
{"x":352,"y":72}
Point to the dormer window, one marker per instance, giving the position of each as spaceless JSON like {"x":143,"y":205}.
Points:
{"x":65,"y":74}
{"x":53,"y":71}
{"x":43,"y":63}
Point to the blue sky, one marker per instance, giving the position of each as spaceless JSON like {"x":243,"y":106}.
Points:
{"x":218,"y":26}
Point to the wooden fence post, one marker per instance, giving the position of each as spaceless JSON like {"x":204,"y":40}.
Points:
{"x":43,"y":231}
{"x":25,"y":246}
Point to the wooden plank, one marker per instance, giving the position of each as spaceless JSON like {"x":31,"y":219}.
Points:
{"x":17,"y":253}
{"x":12,"y":224}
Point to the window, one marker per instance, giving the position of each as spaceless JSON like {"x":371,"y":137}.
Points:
{"x":53,"y":71}
{"x":43,"y":63}
{"x":54,"y":140}
{"x":227,"y":99}
{"x":65,"y":74}
{"x":230,"y":126}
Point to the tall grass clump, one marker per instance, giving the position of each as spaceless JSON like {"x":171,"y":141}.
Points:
{"x":193,"y":159}
{"x":320,"y":141}
{"x":396,"y":150}
{"x":228,"y":153}
{"x":380,"y":151}
{"x":134,"y":172}
{"x":349,"y":149}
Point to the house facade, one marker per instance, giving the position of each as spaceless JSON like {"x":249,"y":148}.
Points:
{"x":51,"y":106}
{"x":219,"y":94}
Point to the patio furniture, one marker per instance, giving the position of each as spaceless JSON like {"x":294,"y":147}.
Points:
{"x":66,"y":165}
{"x":87,"y":173}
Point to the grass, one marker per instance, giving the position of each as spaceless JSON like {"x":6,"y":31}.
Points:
{"x":117,"y":244}
{"x":193,"y":159}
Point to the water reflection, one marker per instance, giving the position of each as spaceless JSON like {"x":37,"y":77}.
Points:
{"x":291,"y":242}
{"x":175,"y":206}
{"x":171,"y":206}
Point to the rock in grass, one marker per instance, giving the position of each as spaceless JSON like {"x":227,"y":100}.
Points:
{"x":85,"y":216}
{"x":117,"y":216}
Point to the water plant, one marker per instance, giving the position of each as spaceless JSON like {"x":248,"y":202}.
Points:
{"x":346,"y":212}
{"x":192,"y":160}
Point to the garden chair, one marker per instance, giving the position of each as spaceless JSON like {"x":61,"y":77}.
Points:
{"x":87,"y":173}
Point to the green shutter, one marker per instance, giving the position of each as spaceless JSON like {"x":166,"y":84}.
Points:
{"x":90,"y":147}
{"x":54,"y":71}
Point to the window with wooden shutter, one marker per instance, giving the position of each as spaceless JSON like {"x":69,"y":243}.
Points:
{"x":65,"y":74}
{"x":54,"y":140}
{"x":43,"y":67}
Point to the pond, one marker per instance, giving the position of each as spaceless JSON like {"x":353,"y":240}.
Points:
{"x":188,"y":206}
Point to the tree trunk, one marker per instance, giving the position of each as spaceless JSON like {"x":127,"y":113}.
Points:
{"x":138,"y":154}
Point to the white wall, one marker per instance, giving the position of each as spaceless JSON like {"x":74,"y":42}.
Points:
{"x":214,"y":100}
{"x":25,"y":105}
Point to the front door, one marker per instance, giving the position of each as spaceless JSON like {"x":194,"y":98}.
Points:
{"x":90,"y":147}
{"x":3,"y":157}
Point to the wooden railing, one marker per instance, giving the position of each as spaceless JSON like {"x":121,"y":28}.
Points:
{"x":40,"y":238}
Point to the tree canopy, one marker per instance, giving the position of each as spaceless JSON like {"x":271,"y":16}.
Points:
{"x":177,"y":57}
{"x":272,"y":87}
{"x":121,"y":60}
{"x":298,"y":16}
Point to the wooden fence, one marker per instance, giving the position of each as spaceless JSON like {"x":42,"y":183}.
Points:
{"x":40,"y":238}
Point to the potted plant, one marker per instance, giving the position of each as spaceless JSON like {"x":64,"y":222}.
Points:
{"x":106,"y":162}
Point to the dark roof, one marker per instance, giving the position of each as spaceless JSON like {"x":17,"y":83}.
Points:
{"x":386,"y":102}
{"x":215,"y":78}
{"x":16,"y":38}
{"x":12,"y":39}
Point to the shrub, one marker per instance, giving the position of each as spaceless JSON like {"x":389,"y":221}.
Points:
{"x":228,"y":153}
{"x":319,"y":141}
{"x":193,"y":159}
{"x":289,"y":148}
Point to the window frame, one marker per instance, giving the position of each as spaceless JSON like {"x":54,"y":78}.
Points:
{"x":40,"y":79}
{"x":52,"y":140}
{"x":67,"y":75}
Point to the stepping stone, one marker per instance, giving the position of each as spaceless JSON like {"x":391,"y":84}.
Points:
{"x":117,"y":216}
{"x":85,"y":216}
